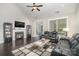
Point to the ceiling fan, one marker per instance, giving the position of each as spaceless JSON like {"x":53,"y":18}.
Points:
{"x":35,"y":7}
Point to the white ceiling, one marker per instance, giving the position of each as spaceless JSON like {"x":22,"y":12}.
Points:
{"x":48,"y":10}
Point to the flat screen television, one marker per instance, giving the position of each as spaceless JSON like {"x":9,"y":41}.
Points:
{"x":19,"y":24}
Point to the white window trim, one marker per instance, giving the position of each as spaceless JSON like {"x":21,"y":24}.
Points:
{"x":56,"y":22}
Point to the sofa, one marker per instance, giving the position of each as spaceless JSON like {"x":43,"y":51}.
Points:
{"x":67,"y":46}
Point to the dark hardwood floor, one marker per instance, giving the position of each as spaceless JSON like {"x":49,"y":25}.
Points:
{"x":6,"y":48}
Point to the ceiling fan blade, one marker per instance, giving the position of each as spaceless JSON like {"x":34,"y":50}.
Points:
{"x":29,"y":6}
{"x":35,"y":6}
{"x":38,"y":9}
{"x":32,"y":9}
{"x":40,"y":6}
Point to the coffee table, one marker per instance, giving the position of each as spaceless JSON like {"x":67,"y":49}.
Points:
{"x":41,"y":42}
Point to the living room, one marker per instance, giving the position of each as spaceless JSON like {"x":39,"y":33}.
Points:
{"x":26,"y":27}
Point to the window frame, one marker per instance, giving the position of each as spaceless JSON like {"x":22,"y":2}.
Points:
{"x":57,"y":22}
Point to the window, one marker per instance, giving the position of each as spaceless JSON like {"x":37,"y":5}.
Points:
{"x":61,"y":26}
{"x":58,"y":25}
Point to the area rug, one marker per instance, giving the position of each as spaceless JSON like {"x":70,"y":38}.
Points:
{"x":30,"y":50}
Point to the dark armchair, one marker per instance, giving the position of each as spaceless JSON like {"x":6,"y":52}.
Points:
{"x":45,"y":35}
{"x":53,"y":36}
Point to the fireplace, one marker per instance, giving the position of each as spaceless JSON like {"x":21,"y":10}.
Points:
{"x":19,"y":38}
{"x":19,"y":35}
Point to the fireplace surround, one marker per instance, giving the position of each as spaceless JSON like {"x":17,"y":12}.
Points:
{"x":19,"y":35}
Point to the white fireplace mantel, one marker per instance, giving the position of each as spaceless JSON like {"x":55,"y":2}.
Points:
{"x":18,"y":30}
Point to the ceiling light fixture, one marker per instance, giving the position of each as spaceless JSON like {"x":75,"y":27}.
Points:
{"x":34,"y":8}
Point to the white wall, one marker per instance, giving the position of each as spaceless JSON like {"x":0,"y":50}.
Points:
{"x":77,"y":19}
{"x":45,"y":26}
{"x":10,"y":13}
{"x":72,"y":23}
{"x":34,"y":28}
